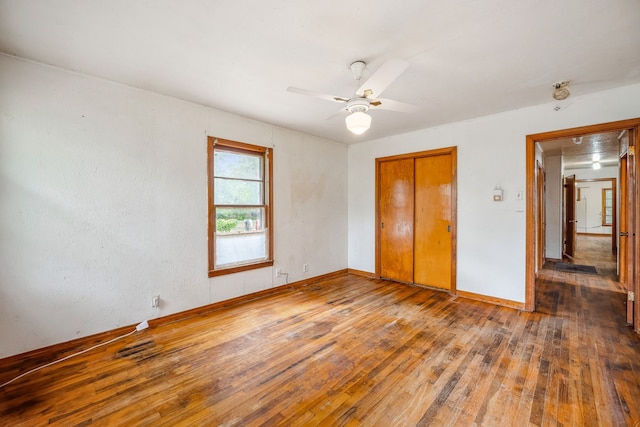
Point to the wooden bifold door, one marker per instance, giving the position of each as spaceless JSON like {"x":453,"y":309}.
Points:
{"x":416,"y":201}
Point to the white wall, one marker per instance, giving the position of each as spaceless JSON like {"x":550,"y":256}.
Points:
{"x":553,"y":207}
{"x":491,"y":151}
{"x":103,"y":204}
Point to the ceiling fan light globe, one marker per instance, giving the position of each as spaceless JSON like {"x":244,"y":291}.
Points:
{"x":358,"y":122}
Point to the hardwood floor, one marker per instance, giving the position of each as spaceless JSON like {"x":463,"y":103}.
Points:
{"x":592,"y":250}
{"x":354,"y":351}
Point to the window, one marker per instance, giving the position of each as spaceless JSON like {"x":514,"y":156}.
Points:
{"x":607,"y":206}
{"x":240,"y":199}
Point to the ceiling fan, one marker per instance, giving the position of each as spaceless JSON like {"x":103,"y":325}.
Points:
{"x":368,"y":95}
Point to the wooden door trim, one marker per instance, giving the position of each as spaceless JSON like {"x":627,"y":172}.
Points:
{"x":453,"y":151}
{"x":541,"y":214}
{"x":634,"y":134}
{"x":428,"y":153}
{"x":633,"y":126}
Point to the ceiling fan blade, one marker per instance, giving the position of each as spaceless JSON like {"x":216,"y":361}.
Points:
{"x":390,"y":104}
{"x":320,"y":95}
{"x":382,"y":78}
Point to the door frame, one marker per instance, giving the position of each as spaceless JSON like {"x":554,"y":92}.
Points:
{"x":631,"y":125}
{"x":541,"y":215}
{"x":453,"y":151}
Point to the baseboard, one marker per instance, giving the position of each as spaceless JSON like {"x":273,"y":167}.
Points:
{"x":594,"y":234}
{"x":491,"y":300}
{"x":64,"y":348}
{"x":170,"y":318}
{"x":362,"y":273}
{"x":67,"y":347}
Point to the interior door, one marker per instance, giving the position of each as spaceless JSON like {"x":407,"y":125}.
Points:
{"x":614,"y":218}
{"x":570,"y":222}
{"x":433,"y":221}
{"x":396,"y":209}
{"x":624,"y":243}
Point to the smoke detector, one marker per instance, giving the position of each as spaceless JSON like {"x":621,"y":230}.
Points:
{"x":561,"y":90}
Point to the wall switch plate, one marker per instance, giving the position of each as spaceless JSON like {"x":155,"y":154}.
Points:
{"x":155,"y":301}
{"x":520,"y":195}
{"x":305,"y":267}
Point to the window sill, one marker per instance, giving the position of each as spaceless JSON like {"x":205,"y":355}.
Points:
{"x":240,"y":268}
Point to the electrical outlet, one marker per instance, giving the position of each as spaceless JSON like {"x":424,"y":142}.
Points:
{"x":155,"y":301}
{"x":305,"y":267}
{"x":278,"y":272}
{"x":142,"y":325}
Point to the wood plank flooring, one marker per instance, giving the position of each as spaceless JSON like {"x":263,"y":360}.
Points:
{"x":354,"y":351}
{"x":594,"y":250}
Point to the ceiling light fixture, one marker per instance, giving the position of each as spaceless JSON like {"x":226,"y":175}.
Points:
{"x":577,"y":140}
{"x":561,"y":90}
{"x":596,"y":157}
{"x":358,"y":121}
{"x":596,"y":166}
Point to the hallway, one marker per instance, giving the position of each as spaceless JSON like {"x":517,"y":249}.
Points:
{"x":592,"y":250}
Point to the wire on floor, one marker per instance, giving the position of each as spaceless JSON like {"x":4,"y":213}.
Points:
{"x":138,"y":328}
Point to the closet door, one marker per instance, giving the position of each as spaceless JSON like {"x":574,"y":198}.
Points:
{"x":395,"y":197}
{"x":433,"y":221}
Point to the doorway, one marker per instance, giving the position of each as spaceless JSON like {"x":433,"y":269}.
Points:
{"x":416,"y":218}
{"x":596,"y":208}
{"x":535,"y":145}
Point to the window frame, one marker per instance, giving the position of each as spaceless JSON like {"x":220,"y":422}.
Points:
{"x":250,"y":149}
{"x":604,"y":206}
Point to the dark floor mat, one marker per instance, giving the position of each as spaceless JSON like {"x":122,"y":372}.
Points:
{"x":575,"y":268}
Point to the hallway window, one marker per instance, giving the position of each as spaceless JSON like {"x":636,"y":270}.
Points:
{"x":607,"y":206}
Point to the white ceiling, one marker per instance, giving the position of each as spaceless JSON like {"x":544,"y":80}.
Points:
{"x":467,"y":58}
